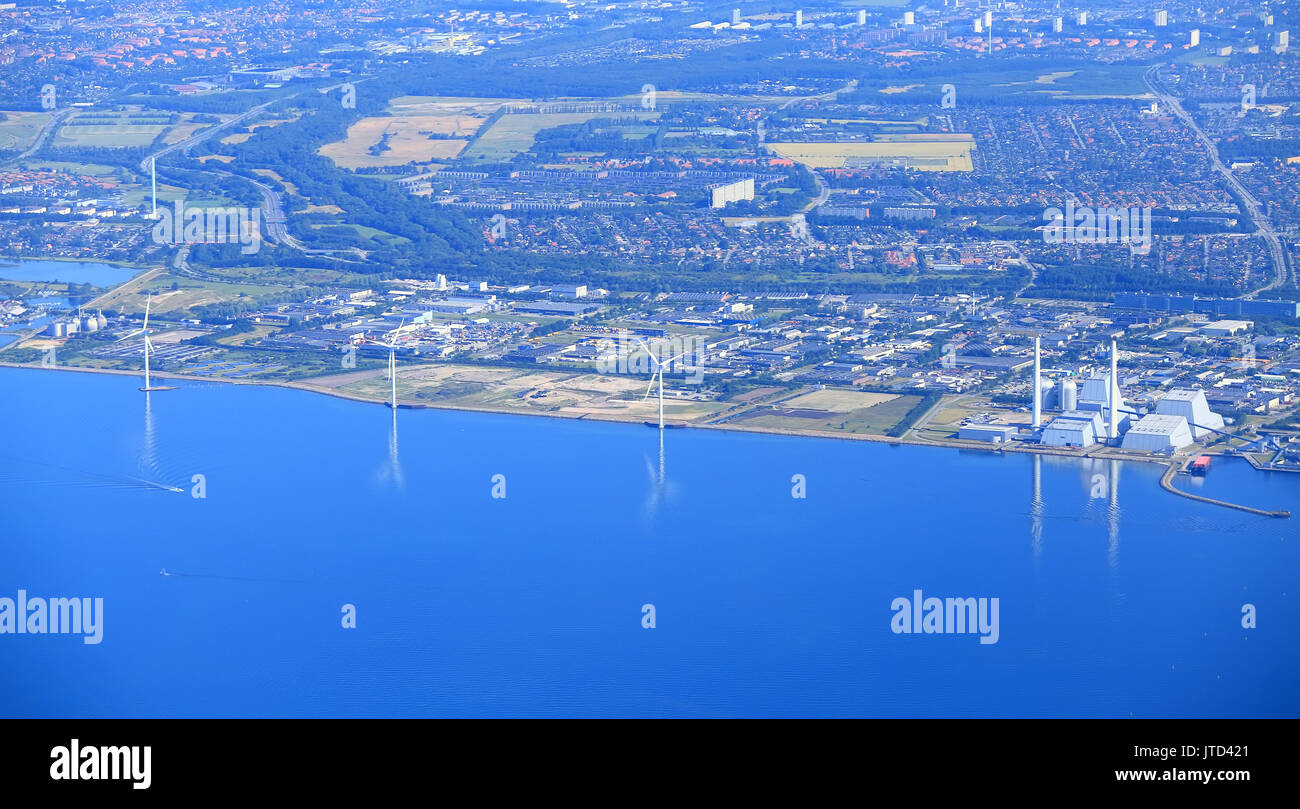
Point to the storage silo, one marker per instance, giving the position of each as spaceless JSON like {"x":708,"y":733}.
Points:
{"x":1069,"y":395}
{"x":89,"y":324}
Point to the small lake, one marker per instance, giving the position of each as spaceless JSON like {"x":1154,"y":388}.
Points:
{"x":78,"y":272}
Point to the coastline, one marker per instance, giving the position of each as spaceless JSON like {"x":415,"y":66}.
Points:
{"x":11,"y":261}
{"x":1095,"y":452}
{"x":1098,"y":452}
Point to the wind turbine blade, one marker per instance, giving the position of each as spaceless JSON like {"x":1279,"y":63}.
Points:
{"x":671,"y":360}
{"x":651,"y":386}
{"x":135,"y":333}
{"x":147,"y":303}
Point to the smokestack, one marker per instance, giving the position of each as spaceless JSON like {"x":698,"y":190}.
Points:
{"x":1038,"y":386}
{"x":1113,"y":432}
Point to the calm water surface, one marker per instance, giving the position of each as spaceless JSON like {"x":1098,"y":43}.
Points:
{"x":1116,"y":598}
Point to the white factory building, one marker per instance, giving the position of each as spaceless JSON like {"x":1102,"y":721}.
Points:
{"x":1158,"y":433}
{"x":1074,"y":428}
{"x":1098,"y":392}
{"x":1192,"y":406}
{"x":1182,"y":417}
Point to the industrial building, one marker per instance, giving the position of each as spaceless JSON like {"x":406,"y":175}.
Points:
{"x":1158,"y":433}
{"x":1067,"y":396}
{"x":1074,"y":428}
{"x":1099,"y":391}
{"x":80,"y":324}
{"x":993,"y":433}
{"x":1214,"y":306}
{"x":1095,"y":413}
{"x":1192,"y":407}
{"x":1227,"y":328}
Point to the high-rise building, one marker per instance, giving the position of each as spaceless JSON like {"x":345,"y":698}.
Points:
{"x":798,"y":19}
{"x":1283,"y":39}
{"x":1057,"y":25}
{"x":862,"y":16}
{"x":1194,"y":38}
{"x":909,"y":18}
{"x":1162,"y":18}
{"x":735,"y":16}
{"x":1082,"y":19}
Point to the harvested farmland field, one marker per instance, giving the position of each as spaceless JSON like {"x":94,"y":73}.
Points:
{"x":922,"y":152}
{"x":400,"y":139}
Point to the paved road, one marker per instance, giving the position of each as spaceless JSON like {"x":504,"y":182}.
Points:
{"x":50,"y":127}
{"x":828,"y":96}
{"x":272,"y":203}
{"x":135,"y":283}
{"x":204,"y":134}
{"x":924,"y":421}
{"x":823,"y":190}
{"x":1263,"y":226}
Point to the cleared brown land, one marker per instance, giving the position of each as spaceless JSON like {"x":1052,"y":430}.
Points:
{"x":408,"y":140}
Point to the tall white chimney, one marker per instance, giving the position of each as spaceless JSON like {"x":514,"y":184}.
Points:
{"x":1038,"y":386}
{"x":1113,"y":432}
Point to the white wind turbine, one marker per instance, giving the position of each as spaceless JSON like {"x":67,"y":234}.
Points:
{"x":659,"y":372}
{"x":391,"y":345}
{"x":148,"y":346}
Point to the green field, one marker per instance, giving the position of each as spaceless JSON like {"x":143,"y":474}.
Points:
{"x":366,"y":232}
{"x":513,"y":134}
{"x":111,"y":129}
{"x":19,"y":129}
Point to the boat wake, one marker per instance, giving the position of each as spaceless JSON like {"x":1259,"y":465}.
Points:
{"x":24,"y":472}
{"x":213,"y":576}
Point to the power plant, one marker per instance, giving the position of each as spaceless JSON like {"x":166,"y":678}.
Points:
{"x":81,"y":324}
{"x":1096,"y":413}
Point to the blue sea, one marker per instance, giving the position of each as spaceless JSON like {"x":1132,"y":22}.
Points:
{"x":1116,"y":598}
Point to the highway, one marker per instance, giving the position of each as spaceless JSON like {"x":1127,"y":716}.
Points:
{"x":204,"y":134}
{"x":277,"y":230}
{"x":1263,"y":226}
{"x":50,"y":126}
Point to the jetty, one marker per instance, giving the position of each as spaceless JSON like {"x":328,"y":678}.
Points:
{"x":1167,"y":483}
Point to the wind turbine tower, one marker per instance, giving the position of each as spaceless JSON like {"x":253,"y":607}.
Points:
{"x":659,"y":372}
{"x":148,"y":347}
{"x":1038,"y":384}
{"x":391,"y":345}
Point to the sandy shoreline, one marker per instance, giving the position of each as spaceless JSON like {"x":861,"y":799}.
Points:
{"x":1099,"y":452}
